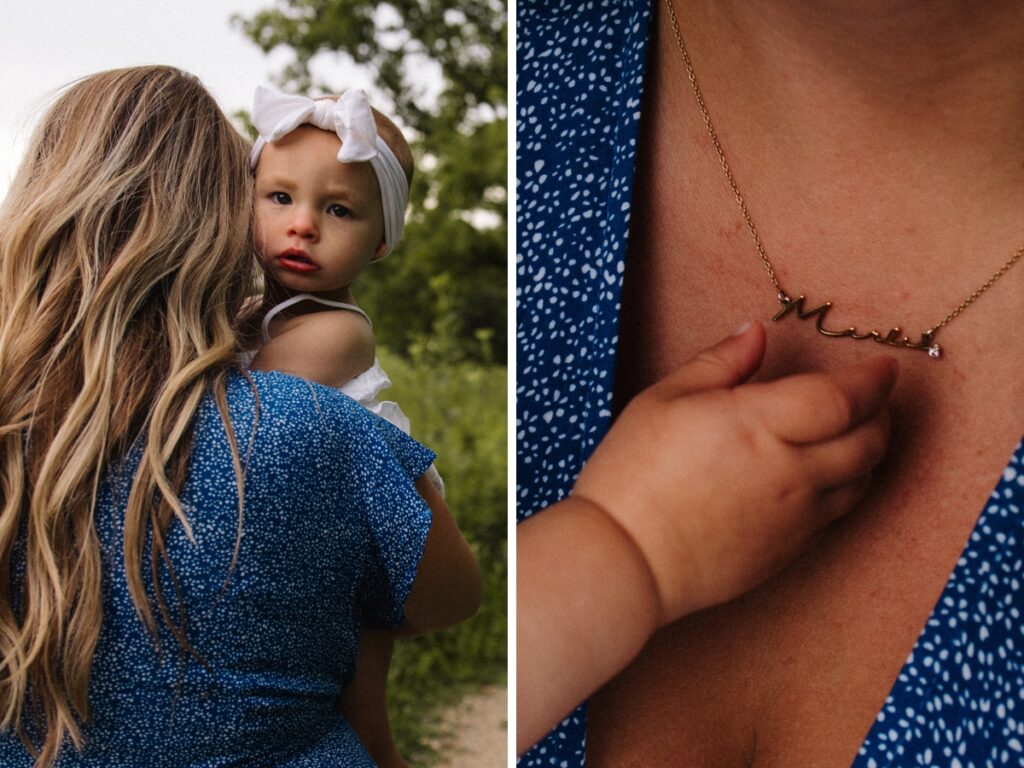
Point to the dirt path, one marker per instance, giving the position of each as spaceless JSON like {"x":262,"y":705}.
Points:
{"x":479,"y":725}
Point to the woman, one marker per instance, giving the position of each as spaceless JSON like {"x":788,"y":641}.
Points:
{"x":188,"y":552}
{"x":879,"y":176}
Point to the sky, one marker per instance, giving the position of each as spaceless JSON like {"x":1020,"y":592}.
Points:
{"x":45,"y":44}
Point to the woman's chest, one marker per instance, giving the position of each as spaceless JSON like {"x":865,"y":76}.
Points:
{"x":795,"y":672}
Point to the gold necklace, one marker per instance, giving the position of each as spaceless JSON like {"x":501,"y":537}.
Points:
{"x":795,"y":306}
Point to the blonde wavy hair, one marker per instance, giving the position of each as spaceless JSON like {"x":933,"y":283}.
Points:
{"x":125,"y":256}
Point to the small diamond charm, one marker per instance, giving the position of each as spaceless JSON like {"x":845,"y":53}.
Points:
{"x":935,"y":351}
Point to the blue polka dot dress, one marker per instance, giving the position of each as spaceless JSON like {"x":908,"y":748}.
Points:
{"x":580,"y":74}
{"x":959,"y":700}
{"x":333,"y":533}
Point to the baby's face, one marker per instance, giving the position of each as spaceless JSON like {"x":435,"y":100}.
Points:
{"x":318,"y":222}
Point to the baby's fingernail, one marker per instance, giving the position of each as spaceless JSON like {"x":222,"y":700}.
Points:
{"x":742,"y":328}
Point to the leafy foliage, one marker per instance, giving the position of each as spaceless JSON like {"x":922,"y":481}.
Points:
{"x":447,"y":277}
{"x":459,"y":411}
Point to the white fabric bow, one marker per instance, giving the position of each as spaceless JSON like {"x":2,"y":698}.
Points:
{"x":277,"y":114}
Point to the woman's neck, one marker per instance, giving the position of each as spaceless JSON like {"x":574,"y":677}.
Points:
{"x":859,"y":134}
{"x":888,"y":43}
{"x":918,"y":73}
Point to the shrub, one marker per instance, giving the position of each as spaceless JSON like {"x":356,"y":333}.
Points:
{"x":459,"y":411}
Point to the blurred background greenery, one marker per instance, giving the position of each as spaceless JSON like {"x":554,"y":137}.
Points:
{"x":439,"y":301}
{"x":468,"y":434}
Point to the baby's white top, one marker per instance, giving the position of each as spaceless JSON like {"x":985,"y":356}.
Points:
{"x":364,"y":388}
{"x":280,"y":307}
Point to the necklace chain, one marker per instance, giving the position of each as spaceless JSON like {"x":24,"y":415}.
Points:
{"x":788,"y":303}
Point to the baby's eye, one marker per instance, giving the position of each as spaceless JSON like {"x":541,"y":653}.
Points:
{"x":281,"y":198}
{"x":338,"y":210}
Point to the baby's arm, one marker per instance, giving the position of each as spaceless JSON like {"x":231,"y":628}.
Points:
{"x":331,"y":347}
{"x":703,"y":488}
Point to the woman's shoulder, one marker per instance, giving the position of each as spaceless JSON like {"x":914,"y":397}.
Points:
{"x":287,"y":399}
{"x":291,"y":414}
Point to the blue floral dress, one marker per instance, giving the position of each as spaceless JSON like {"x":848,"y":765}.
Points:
{"x":333,"y":533}
{"x":959,"y":699}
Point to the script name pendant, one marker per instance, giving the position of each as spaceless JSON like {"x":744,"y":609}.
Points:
{"x":892,"y":338}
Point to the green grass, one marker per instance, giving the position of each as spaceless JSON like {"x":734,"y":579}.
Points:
{"x":459,"y":411}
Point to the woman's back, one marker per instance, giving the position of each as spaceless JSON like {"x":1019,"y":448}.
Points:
{"x":333,"y":531}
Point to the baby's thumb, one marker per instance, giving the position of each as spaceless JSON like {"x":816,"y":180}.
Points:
{"x":731,"y":361}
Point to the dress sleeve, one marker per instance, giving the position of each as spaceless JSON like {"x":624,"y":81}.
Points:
{"x":398,"y":521}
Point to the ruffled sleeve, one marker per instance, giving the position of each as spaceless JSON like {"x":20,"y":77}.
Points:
{"x":365,"y":389}
{"x":398,"y":520}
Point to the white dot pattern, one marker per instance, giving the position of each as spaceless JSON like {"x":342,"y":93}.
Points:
{"x":333,"y":534}
{"x":580,"y":74}
{"x":959,"y":699}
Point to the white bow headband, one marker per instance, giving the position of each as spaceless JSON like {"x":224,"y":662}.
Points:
{"x":278,"y":114}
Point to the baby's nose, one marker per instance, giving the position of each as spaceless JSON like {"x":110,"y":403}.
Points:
{"x":303,"y":224}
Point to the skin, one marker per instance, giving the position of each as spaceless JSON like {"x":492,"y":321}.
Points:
{"x":704,"y":487}
{"x":330,"y":212}
{"x":895,"y":212}
{"x":311,"y":209}
{"x":308,"y":201}
{"x":917,"y":179}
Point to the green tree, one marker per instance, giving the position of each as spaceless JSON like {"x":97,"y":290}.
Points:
{"x":440,"y":68}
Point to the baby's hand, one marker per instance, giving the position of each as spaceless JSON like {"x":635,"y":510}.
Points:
{"x":720,"y":483}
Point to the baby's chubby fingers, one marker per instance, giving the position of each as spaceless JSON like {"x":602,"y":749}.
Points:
{"x":812,"y":407}
{"x":728,"y":363}
{"x":852,"y":455}
{"x":718,"y":483}
{"x":836,"y":502}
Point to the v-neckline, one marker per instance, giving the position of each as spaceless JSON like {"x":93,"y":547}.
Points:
{"x":957,"y":634}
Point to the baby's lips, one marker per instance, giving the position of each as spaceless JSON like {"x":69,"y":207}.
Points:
{"x":297,"y":260}
{"x":296,"y":254}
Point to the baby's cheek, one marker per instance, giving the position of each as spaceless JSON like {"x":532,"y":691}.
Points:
{"x":257,"y":235}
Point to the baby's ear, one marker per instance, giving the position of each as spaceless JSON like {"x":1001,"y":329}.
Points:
{"x":381,"y":251}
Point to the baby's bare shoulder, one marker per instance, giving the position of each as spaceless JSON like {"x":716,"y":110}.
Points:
{"x":330,"y":347}
{"x":347,"y":329}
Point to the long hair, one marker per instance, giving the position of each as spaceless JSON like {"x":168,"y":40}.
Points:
{"x":125,"y":255}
